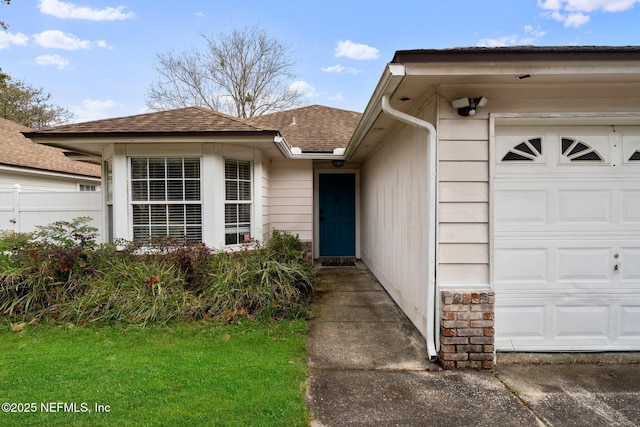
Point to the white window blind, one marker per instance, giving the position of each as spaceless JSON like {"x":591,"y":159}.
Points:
{"x":165,"y":198}
{"x":238,"y":195}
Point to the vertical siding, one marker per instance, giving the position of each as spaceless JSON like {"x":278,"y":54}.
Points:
{"x":463,"y":200}
{"x":394,"y":212}
{"x":291,"y":197}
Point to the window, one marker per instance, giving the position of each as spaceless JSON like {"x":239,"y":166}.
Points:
{"x":238,"y":196}
{"x":527,"y":151}
{"x":579,"y":151}
{"x":166,"y":199}
{"x":87,"y":187}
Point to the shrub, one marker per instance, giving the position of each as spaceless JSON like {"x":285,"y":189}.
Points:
{"x":61,"y":274}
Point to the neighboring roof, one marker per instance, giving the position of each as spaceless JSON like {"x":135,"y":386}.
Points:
{"x":191,"y":120}
{"x":315,"y":128}
{"x":519,"y":53}
{"x":18,"y":151}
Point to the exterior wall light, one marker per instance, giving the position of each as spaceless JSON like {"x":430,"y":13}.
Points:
{"x":337,"y":163}
{"x":467,"y":106}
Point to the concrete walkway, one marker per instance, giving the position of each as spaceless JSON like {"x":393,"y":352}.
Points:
{"x":368,"y":366}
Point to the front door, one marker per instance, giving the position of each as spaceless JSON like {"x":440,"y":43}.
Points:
{"x":337,"y":204}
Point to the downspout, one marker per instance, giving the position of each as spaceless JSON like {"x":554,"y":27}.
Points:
{"x":431,"y":215}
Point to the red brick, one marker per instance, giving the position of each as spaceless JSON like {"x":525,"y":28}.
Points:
{"x":481,"y":340}
{"x":448,"y":332}
{"x":489,"y":349}
{"x":475,"y":299}
{"x":482,"y":323}
{"x":481,"y":356}
{"x":455,"y":356}
{"x":470,"y":348}
{"x":447,"y":298}
{"x":470,"y":364}
{"x":455,"y":307}
{"x":469,"y":332}
{"x":448,"y":348}
{"x":488,"y":316}
{"x":455,"y":340}
{"x":457,"y":298}
{"x":488,"y":332}
{"x":447,"y":364}
{"x":487,"y":308}
{"x":469,"y":315}
{"x":487,"y":364}
{"x":466,"y":298}
{"x":449,"y":315}
{"x":456,"y":324}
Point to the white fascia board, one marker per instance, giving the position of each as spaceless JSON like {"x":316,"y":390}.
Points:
{"x":389,"y":81}
{"x":290,"y":152}
{"x":29,"y":171}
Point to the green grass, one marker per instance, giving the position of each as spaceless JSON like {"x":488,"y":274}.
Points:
{"x":247,"y":374}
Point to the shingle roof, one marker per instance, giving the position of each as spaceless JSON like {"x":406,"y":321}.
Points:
{"x":315,"y":128}
{"x":16,"y":150}
{"x":517,"y":53}
{"x":194,"y":120}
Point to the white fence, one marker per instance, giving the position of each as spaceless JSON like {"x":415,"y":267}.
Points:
{"x":23,"y":211}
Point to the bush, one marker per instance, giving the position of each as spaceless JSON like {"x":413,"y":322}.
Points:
{"x":59,"y":273}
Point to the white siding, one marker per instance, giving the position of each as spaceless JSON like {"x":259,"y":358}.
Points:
{"x":291,"y":197}
{"x":463,"y":208}
{"x":35,"y":181}
{"x":394,"y":212}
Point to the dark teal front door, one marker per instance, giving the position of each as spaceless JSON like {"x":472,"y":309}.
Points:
{"x":337,"y":193}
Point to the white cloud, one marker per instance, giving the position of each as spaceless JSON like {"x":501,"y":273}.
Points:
{"x":341,"y":69}
{"x":357,"y":51}
{"x":58,"y":40}
{"x":56,"y":60}
{"x":64,"y":10}
{"x":93,"y":109}
{"x":530,"y":37}
{"x":7,"y":39}
{"x":200,"y":15}
{"x":574,"y":13}
{"x":337,"y":97}
{"x":304,"y":88}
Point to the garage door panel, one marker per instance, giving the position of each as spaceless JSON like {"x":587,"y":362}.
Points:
{"x":518,"y":207}
{"x":581,"y":265}
{"x":586,"y":205}
{"x":630,"y":206}
{"x":629,"y":265}
{"x":578,"y":321}
{"x":630,"y":322}
{"x":515,"y":267}
{"x":566,"y":240}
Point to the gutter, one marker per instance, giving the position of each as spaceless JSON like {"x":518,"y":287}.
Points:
{"x":431,"y":215}
{"x":296,"y":153}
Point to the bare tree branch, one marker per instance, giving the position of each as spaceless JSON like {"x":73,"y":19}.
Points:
{"x":244,"y":73}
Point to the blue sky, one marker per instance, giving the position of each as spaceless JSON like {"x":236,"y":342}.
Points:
{"x":97,"y":57}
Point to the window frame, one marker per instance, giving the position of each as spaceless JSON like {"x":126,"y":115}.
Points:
{"x":167,"y":202}
{"x":250,"y":182}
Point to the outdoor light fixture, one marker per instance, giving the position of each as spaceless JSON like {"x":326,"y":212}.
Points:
{"x":338,"y":163}
{"x":467,"y":106}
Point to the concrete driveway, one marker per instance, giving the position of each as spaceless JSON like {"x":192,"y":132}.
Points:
{"x":368,"y":367}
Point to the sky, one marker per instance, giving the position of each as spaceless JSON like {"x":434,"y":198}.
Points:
{"x":97,"y":58}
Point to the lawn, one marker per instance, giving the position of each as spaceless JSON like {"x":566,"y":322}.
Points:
{"x":183,"y":374}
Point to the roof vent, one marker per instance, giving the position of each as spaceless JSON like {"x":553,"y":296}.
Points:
{"x":293,"y":121}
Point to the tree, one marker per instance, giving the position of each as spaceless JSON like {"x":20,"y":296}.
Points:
{"x":3,"y":77}
{"x":24,"y":104}
{"x":3,"y":25}
{"x":245,"y":74}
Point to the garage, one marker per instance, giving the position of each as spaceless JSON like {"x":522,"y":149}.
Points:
{"x":566,"y":238}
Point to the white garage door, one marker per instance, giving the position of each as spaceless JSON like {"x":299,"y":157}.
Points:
{"x":566,"y":238}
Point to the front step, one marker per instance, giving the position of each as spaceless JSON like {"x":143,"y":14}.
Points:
{"x":341,"y":261}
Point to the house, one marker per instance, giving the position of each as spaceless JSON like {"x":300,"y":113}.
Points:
{"x":494,"y":192}
{"x":38,"y":167}
{"x":198,"y":174}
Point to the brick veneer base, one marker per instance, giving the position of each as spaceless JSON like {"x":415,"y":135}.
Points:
{"x":467,"y":329}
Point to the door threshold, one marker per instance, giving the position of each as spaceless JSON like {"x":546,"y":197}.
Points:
{"x":339,"y":261}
